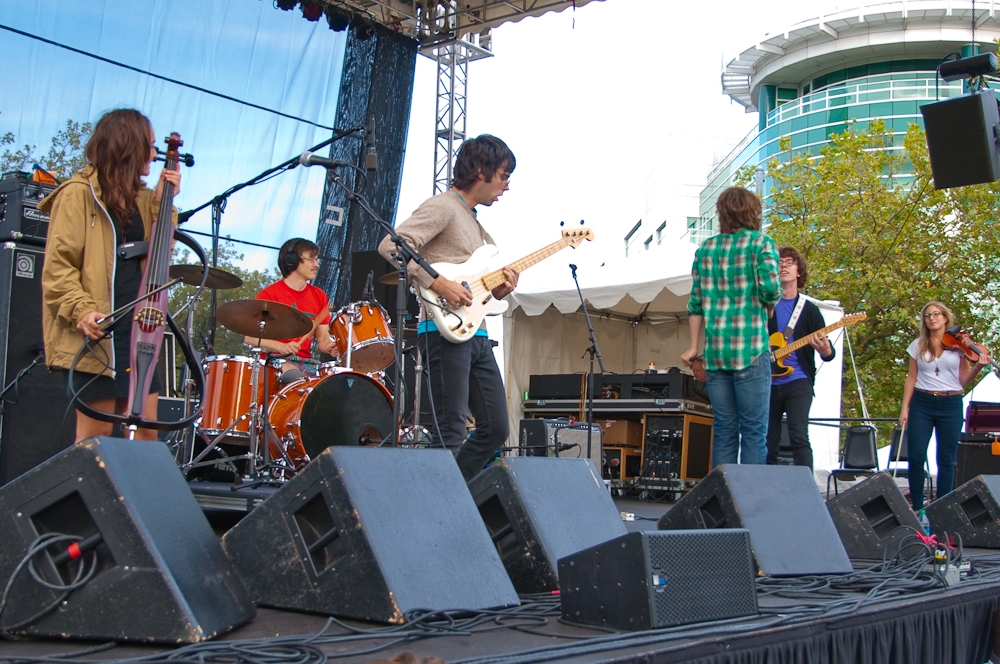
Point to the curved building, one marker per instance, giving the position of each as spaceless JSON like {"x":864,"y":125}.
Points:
{"x":875,"y":61}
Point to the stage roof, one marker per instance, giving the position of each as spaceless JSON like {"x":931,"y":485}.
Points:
{"x":441,"y":22}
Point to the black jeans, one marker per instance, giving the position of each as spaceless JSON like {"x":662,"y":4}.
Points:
{"x":465,"y":379}
{"x":795,"y":399}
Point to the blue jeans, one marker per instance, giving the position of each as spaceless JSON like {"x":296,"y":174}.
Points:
{"x":943,"y":415}
{"x":740,"y":403}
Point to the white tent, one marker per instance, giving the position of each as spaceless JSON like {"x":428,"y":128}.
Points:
{"x":638,"y":310}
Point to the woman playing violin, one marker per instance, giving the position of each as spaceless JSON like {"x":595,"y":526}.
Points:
{"x":932,"y":399}
{"x":105,"y":205}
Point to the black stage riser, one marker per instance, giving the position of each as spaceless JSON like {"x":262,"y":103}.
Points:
{"x":791,"y":531}
{"x":371,"y":534}
{"x":538,"y":510}
{"x":650,"y":579}
{"x":161,"y":574}
{"x":869,"y":516}
{"x":971,"y":510}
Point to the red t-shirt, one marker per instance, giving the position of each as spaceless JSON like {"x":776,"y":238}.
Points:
{"x":311,"y":301}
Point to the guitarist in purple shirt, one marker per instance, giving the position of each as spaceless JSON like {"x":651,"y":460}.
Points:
{"x":464,"y":377}
{"x":792,"y":393}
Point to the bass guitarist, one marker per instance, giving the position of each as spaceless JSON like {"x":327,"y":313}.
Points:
{"x":464,"y":377}
{"x":795,"y":317}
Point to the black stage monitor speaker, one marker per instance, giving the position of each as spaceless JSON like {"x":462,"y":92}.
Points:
{"x":159,"y":572}
{"x":962,"y":139}
{"x":869,"y":517}
{"x":971,"y":510}
{"x":370,"y":534}
{"x":648,"y":579}
{"x":791,"y":531}
{"x":538,"y":510}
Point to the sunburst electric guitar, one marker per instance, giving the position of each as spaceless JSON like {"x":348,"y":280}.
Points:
{"x":780,"y":349}
{"x":460,"y":324}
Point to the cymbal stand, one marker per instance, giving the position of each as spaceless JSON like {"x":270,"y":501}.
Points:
{"x":185,"y":445}
{"x":353,"y":316}
{"x":415,"y":434}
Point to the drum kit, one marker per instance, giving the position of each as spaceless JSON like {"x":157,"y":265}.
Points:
{"x":278,"y":424}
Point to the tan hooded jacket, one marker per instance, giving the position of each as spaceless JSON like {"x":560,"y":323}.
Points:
{"x":78,"y":276}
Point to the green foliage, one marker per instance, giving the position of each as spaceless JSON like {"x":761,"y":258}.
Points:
{"x":65,"y":155}
{"x":226,"y":342}
{"x":881,"y":240}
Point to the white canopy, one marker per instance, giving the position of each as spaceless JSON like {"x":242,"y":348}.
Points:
{"x":638,"y":307}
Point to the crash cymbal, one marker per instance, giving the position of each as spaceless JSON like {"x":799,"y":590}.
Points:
{"x":390,"y":279}
{"x":280,"y":320}
{"x":217,"y":279}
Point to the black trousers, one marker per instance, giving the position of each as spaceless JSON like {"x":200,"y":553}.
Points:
{"x":464,"y":380}
{"x":794,"y":399}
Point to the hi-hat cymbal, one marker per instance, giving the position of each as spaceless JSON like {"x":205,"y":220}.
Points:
{"x":217,"y":279}
{"x":390,"y":279}
{"x":280,"y":320}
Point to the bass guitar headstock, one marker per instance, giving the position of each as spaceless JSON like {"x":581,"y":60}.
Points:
{"x":576,"y":236}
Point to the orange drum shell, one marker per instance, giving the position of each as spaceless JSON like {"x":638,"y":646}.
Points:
{"x":372,"y":346}
{"x":285,"y":413}
{"x":228,"y":391}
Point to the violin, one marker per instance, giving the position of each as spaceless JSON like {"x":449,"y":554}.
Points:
{"x":957,"y":338}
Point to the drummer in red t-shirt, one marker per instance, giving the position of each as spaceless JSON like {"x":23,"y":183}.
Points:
{"x":298,"y":261}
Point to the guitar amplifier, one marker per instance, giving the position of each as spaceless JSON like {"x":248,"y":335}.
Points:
{"x":559,"y":437}
{"x":982,"y":417}
{"x":19,"y":198}
{"x":975,"y":458}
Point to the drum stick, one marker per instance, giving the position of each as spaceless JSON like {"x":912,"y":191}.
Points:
{"x":311,"y":332}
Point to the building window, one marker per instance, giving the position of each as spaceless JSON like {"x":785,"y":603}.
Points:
{"x":659,"y":233}
{"x":648,"y":243}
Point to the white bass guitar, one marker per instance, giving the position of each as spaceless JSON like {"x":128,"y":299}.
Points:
{"x":460,"y":324}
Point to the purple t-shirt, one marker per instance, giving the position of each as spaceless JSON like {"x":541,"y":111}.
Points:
{"x":782,"y":313}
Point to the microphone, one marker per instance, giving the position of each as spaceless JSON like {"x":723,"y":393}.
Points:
{"x":369,"y":293}
{"x":371,"y":159}
{"x":309,"y":159}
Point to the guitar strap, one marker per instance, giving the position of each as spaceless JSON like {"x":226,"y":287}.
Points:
{"x":800,"y":304}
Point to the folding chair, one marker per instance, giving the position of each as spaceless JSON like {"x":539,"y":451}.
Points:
{"x":899,"y":454}
{"x":860,"y":457}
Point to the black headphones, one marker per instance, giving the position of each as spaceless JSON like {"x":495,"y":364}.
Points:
{"x":290,"y":258}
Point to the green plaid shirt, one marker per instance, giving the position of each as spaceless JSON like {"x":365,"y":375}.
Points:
{"x":734,"y":277}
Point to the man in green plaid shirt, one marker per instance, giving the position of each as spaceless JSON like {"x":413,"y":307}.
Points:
{"x":734,"y":288}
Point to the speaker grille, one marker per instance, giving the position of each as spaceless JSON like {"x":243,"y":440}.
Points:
{"x":678,"y":592}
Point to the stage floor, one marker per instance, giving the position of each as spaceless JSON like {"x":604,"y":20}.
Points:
{"x":944,"y":625}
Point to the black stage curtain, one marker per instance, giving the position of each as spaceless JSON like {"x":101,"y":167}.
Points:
{"x":954,"y":627}
{"x":377,"y":80}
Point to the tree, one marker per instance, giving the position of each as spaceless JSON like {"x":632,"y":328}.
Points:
{"x":65,"y":155}
{"x":227,"y":342}
{"x":881,"y":240}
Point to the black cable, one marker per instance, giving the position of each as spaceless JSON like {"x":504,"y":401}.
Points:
{"x":83,"y":576}
{"x":162,"y":78}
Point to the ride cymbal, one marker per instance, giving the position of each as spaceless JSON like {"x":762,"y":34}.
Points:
{"x":280,"y":320}
{"x":217,"y":279}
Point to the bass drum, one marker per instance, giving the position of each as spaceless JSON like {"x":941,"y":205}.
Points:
{"x":341,"y":408}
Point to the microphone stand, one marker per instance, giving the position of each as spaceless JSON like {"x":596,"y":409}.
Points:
{"x":219,"y":205}
{"x":404,"y":254}
{"x":594,"y":351}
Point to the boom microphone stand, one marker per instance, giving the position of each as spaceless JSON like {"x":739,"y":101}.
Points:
{"x":594,"y":351}
{"x":404,"y":254}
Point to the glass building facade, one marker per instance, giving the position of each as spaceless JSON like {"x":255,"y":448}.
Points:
{"x":892,"y":91}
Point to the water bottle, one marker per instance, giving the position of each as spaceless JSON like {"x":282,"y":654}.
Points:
{"x":924,"y":522}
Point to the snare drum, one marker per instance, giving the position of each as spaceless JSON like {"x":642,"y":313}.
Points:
{"x":341,"y":408}
{"x":228,"y":394}
{"x":371,"y":343}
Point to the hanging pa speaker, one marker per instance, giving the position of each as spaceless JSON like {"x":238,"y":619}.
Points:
{"x":972,"y":511}
{"x":371,"y":534}
{"x":652,"y":579}
{"x":870,"y":517}
{"x":791,"y":531}
{"x":157,"y":572}
{"x":962,"y":139}
{"x":538,"y":510}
